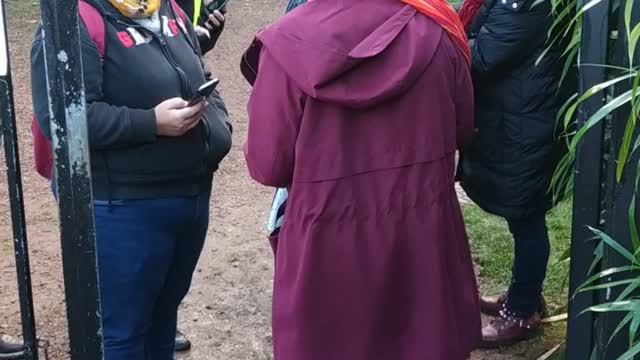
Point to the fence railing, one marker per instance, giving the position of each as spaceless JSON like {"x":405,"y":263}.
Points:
{"x":589,"y":335}
{"x":14,"y":180}
{"x":73,"y":178}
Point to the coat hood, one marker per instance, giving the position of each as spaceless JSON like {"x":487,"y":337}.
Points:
{"x":347,"y":53}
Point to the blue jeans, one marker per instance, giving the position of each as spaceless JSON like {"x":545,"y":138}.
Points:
{"x":530,"y":263}
{"x":147,"y":253}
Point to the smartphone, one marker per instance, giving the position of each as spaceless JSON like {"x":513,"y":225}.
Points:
{"x":220,"y":5}
{"x":217,"y":5}
{"x":204,"y":91}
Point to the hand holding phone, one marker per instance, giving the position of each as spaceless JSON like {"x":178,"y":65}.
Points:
{"x":215,"y":21}
{"x":212,"y":16}
{"x":204,"y":91}
{"x":174,"y":118}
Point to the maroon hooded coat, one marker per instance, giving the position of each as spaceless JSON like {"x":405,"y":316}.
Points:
{"x":358,"y":107}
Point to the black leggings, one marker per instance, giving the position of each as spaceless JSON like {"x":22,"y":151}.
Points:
{"x":529,"y":269}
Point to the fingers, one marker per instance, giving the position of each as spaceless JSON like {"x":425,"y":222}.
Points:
{"x":183,"y":126}
{"x":197,"y":116}
{"x":219,"y":16}
{"x":200,"y":30}
{"x":215,"y":20}
{"x":193,"y":122}
{"x":212,"y":22}
{"x":189,"y":112}
{"x":175,"y":103}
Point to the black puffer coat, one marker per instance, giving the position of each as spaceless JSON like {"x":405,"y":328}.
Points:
{"x":508,"y":167}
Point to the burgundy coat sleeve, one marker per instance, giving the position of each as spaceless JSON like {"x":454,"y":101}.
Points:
{"x":275,"y":111}
{"x":464,"y":105}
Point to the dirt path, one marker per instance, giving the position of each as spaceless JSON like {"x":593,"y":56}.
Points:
{"x":226,"y":315}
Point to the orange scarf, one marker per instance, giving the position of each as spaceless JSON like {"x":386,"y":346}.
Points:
{"x":443,"y":14}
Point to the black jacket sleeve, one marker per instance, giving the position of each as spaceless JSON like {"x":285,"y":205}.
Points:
{"x":506,"y":35}
{"x":108,"y":126}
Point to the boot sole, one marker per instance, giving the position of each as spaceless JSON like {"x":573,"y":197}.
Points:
{"x":491,"y":345}
{"x":13,"y":356}
{"x":177,"y":348}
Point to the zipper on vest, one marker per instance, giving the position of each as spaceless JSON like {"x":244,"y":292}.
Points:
{"x":186,"y":90}
{"x":181,"y":74}
{"x":183,"y":81}
{"x":205,"y":127}
{"x":183,"y":78}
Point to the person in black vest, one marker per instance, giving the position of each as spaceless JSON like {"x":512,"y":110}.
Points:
{"x":10,"y":349}
{"x":508,"y":168}
{"x":153,"y":158}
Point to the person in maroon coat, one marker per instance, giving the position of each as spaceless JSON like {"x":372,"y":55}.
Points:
{"x":360,"y":118}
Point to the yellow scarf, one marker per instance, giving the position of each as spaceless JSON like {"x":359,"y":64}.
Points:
{"x":136,"y":9}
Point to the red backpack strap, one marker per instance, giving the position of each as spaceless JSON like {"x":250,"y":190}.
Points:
{"x":42,"y":152}
{"x":94,"y":23}
{"x":178,"y":10}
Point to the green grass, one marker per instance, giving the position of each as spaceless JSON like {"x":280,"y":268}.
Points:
{"x":492,"y":248}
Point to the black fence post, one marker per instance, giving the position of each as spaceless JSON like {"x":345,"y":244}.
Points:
{"x":7,"y":115}
{"x":73,"y":178}
{"x":619,"y":196}
{"x":587,"y":183}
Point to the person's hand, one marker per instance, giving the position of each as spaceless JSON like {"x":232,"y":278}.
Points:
{"x":200,"y":31}
{"x":215,"y":21}
{"x":174,"y":118}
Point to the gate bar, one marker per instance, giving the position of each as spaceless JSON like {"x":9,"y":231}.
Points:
{"x":67,"y":110}
{"x":12,"y":156}
{"x":618,"y":196}
{"x":587,"y":200}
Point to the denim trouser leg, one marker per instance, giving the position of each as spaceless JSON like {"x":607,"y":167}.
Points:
{"x":147,"y":251}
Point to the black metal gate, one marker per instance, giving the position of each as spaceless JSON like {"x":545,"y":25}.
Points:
{"x":599,"y":200}
{"x":73,"y":179}
{"x":69,"y":139}
{"x":9,"y":134}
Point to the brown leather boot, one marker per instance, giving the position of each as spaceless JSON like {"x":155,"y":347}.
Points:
{"x":508,"y":329}
{"x":492,"y":305}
